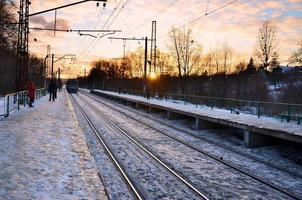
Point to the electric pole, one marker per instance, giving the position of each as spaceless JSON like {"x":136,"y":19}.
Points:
{"x":146,"y":58}
{"x":153,"y":48}
{"x":59,"y":73}
{"x":52,"y":62}
{"x":48,"y":61}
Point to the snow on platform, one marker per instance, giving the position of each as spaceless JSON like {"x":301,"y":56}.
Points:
{"x":44,"y":155}
{"x":265,"y":125}
{"x":2,"y":106}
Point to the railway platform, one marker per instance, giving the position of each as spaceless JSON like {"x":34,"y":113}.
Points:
{"x":256,"y":131}
{"x":44,"y":155}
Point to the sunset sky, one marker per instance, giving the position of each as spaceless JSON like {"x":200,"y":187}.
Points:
{"x":236,"y":24}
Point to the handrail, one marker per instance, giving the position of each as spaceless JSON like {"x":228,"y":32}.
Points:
{"x":216,"y":98}
{"x":288,"y":111}
{"x":10,"y":94}
{"x":13,"y":101}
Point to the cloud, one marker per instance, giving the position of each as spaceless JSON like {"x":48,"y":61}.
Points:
{"x":42,"y":22}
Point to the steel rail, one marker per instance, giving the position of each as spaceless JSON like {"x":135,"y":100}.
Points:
{"x":128,"y":181}
{"x":209,"y":141}
{"x":229,"y":164}
{"x":121,"y":130}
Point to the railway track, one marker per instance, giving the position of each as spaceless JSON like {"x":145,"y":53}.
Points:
{"x":109,"y":152}
{"x":218,"y":159}
{"x":120,"y":168}
{"x":229,"y":148}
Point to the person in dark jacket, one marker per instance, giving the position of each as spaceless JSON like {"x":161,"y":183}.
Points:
{"x":60,"y":84}
{"x":52,"y":89}
{"x":56,"y":89}
{"x":31,"y":93}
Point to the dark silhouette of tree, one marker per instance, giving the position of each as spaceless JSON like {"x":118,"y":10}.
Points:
{"x":251,"y":65}
{"x":266,"y":43}
{"x":274,"y":64}
{"x":8,"y":33}
{"x":8,"y":38}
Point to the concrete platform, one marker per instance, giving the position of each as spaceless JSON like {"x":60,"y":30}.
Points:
{"x":257,"y":131}
{"x":44,"y":155}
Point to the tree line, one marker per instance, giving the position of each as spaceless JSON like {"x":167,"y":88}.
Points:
{"x":220,"y":72}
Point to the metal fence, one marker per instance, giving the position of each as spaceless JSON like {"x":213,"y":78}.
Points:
{"x":15,"y":101}
{"x":283,"y":111}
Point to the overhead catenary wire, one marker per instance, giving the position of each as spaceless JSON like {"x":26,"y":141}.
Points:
{"x":203,"y":16}
{"x":98,"y":38}
{"x":123,"y":6}
{"x":98,"y":19}
{"x":90,"y":46}
{"x":115,"y":17}
{"x":83,"y":52}
{"x":154,"y":16}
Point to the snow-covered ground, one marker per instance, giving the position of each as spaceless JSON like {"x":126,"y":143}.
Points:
{"x":44,"y":155}
{"x":250,"y":120}
{"x":151,"y":179}
{"x":217,"y":180}
{"x":277,"y":177}
{"x":2,"y":106}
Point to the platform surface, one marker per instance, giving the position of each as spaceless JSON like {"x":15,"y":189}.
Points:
{"x":44,"y":155}
{"x":265,"y":125}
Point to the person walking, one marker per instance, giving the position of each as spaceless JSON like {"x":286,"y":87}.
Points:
{"x":52,"y":87}
{"x":60,"y":84}
{"x":31,"y":93}
{"x":55,"y":89}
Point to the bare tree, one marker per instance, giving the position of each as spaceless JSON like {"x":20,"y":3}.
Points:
{"x":227,"y":57}
{"x":165,"y":64}
{"x":185,"y":51}
{"x":8,"y":34}
{"x":8,"y":38}
{"x":136,"y":59}
{"x":296,"y":57}
{"x":266,"y":43}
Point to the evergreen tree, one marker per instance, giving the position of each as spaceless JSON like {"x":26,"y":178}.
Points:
{"x":275,"y":64}
{"x":251,"y":65}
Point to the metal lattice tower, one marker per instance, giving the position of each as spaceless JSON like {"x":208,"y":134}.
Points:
{"x":22,"y":46}
{"x":153,"y":48}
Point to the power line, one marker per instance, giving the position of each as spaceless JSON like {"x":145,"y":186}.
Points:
{"x":99,"y":16}
{"x":123,"y":6}
{"x":154,"y":16}
{"x":92,"y":42}
{"x":205,"y":15}
{"x":74,"y":30}
{"x":108,"y":26}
